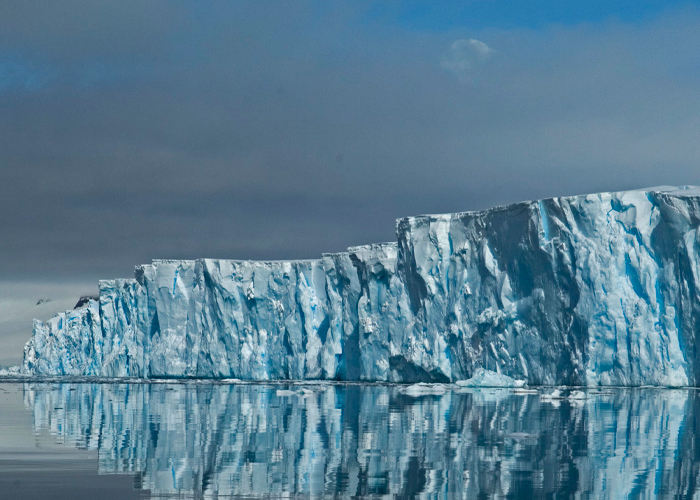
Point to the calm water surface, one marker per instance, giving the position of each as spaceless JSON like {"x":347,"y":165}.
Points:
{"x":200,"y":440}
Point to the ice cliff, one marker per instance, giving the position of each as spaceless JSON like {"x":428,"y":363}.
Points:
{"x":601,"y":289}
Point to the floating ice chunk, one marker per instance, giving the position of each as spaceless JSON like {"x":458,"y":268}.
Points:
{"x":578,"y":395}
{"x":555,"y":395}
{"x":487,"y":378}
{"x":306,"y":393}
{"x":524,"y":392}
{"x":423,"y":389}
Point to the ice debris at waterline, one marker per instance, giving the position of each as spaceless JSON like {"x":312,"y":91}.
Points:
{"x":487,"y":378}
{"x":602,"y":289}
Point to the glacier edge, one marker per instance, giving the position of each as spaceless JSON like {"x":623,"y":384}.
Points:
{"x":592,"y":290}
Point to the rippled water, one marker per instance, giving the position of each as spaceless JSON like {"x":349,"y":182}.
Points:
{"x":215,"y":441}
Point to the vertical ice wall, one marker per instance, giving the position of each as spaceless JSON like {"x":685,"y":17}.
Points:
{"x":588,"y":290}
{"x":262,"y":320}
{"x":70,"y":343}
{"x":595,"y":290}
{"x":125,"y":327}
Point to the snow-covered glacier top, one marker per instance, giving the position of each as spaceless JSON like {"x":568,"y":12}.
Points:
{"x":601,"y":289}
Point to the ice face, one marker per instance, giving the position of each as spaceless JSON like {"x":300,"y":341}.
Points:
{"x":587,"y":290}
{"x":580,"y":290}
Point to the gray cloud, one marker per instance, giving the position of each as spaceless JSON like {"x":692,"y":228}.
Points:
{"x":155,"y":129}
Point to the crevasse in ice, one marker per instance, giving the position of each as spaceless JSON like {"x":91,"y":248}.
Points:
{"x":601,"y":289}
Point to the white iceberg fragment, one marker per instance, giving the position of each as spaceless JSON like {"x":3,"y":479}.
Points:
{"x":424,"y":389}
{"x":555,"y":395}
{"x":577,"y":396}
{"x":285,"y":393}
{"x":487,"y":378}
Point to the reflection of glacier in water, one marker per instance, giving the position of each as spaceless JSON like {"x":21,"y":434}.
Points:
{"x":209,"y":440}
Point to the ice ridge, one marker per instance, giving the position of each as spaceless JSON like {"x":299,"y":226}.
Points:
{"x":600,"y":289}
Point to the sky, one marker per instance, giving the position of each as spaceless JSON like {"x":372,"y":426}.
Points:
{"x":137,"y":130}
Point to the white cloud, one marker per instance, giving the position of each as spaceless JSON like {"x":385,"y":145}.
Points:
{"x":465,"y":56}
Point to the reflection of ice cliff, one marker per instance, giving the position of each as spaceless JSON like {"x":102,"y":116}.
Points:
{"x":588,"y":290}
{"x":216,"y":440}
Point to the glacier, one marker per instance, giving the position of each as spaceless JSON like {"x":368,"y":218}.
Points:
{"x":593,"y":290}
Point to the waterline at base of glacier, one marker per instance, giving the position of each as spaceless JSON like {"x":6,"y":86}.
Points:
{"x":430,"y":388}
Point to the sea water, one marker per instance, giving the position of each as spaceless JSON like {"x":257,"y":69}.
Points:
{"x":192,"y":439}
